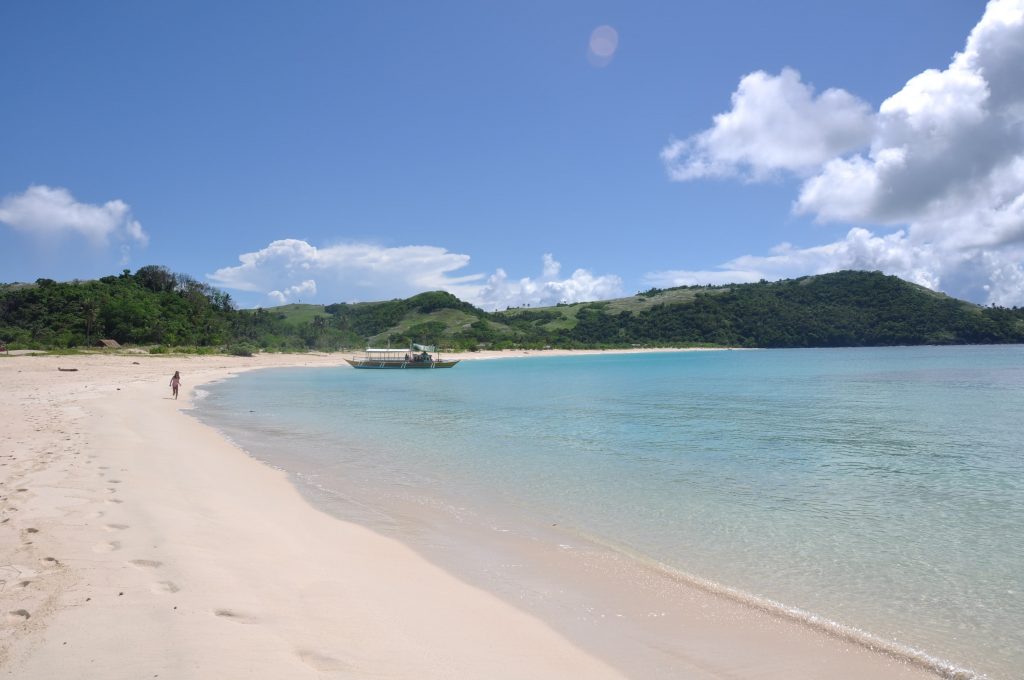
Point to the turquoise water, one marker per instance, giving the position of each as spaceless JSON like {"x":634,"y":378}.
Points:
{"x":879,"y":488}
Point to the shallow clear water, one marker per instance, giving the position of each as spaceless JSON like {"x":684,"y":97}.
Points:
{"x":880,"y":488}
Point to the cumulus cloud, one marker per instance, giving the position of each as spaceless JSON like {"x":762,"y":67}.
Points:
{"x":307,"y":287}
{"x":949,"y":144}
{"x":861,"y":249}
{"x":362,"y":271}
{"x":995,"y":276}
{"x":776,"y":123}
{"x":500,"y":291}
{"x":942,"y":164}
{"x":52,"y":212}
{"x":290,"y":268}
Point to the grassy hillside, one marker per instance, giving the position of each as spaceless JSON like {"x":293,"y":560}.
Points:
{"x":298,"y":314}
{"x":565,"y":316}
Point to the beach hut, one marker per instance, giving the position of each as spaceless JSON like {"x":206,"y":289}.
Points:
{"x":111,"y":344}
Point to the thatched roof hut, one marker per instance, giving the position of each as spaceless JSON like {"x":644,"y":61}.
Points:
{"x":112,"y":344}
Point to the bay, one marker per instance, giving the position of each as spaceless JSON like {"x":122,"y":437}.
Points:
{"x":881,"y":488}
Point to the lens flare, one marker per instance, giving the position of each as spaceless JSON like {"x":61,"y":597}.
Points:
{"x":604,"y":41}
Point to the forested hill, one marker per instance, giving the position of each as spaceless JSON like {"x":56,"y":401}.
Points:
{"x":847,"y":308}
{"x":156,"y":308}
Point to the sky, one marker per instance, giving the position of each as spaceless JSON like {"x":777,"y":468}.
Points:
{"x":513,"y":154}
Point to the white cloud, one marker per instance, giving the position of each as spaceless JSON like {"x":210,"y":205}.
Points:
{"x":969,"y":273}
{"x":289,"y":268}
{"x":945,"y":145}
{"x":776,"y":123}
{"x":52,"y":212}
{"x":861,"y":249}
{"x":357,"y":271}
{"x":307,"y":287}
{"x":500,"y":291}
{"x":943,"y":165}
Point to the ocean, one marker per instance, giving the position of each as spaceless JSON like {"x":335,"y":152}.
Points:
{"x":880,"y":489}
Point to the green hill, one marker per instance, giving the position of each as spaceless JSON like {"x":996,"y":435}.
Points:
{"x":154,"y":306}
{"x":842,"y":309}
{"x":298,"y":314}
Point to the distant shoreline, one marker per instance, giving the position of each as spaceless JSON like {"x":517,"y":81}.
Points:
{"x":521,"y":353}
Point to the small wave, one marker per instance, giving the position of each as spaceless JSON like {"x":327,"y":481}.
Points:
{"x":911,"y":655}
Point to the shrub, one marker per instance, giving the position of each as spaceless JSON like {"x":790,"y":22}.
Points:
{"x":242,"y":349}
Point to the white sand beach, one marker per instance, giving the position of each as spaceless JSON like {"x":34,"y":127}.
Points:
{"x":137,"y":542}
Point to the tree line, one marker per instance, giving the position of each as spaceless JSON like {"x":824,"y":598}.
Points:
{"x":161,"y":309}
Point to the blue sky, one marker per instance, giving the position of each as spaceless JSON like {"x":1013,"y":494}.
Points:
{"x":512,"y":153}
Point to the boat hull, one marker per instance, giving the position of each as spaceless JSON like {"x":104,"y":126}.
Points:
{"x":378,"y":364}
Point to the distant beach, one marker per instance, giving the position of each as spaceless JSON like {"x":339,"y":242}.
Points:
{"x":128,"y":524}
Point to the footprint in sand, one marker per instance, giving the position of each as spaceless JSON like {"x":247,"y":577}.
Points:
{"x":168,"y":587}
{"x":145,"y":564}
{"x":114,"y":500}
{"x":18,"y":616}
{"x":320,"y":661}
{"x":114,"y":481}
{"x":116,"y":527}
{"x":50,"y":562}
{"x":233,"y":615}
{"x":31,"y":530}
{"x":108,"y":546}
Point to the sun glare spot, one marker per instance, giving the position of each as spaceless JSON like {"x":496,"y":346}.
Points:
{"x":604,"y":40}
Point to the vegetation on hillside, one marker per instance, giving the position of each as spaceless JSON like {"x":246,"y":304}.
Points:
{"x":152,"y":306}
{"x":155,"y":307}
{"x":844,"y":309}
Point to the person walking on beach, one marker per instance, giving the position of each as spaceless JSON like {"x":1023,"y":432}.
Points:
{"x":175,"y":382}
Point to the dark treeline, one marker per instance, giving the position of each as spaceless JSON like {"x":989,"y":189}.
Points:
{"x":152,"y":306}
{"x":159,"y":308}
{"x":155,"y":306}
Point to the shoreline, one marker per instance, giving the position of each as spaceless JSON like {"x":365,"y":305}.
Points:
{"x":485,"y":354}
{"x":125,"y":492}
{"x":500,"y":548}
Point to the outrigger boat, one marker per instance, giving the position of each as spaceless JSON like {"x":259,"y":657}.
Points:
{"x":417,"y":356}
